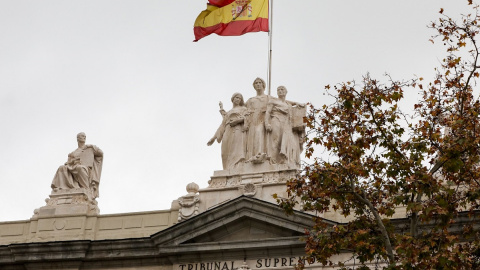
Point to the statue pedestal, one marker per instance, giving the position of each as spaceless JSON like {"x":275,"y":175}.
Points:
{"x":79,"y":201}
{"x":68,"y":215}
{"x":254,"y":180}
{"x":252,"y":173}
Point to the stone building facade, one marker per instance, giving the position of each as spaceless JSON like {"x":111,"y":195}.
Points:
{"x":232,"y":224}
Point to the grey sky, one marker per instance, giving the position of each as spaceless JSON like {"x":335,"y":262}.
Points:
{"x":128,"y":74}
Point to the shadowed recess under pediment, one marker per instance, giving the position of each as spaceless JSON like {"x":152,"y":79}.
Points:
{"x":244,"y":229}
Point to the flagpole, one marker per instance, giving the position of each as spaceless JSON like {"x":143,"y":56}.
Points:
{"x":270,"y":22}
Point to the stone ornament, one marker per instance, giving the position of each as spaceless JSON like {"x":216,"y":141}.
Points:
{"x":219,"y":183}
{"x":244,"y":266}
{"x":263,"y":130}
{"x":233,"y":181}
{"x":192,"y":188}
{"x":249,"y":190}
{"x":82,"y":171}
{"x":189,"y":203}
{"x":279,"y":177}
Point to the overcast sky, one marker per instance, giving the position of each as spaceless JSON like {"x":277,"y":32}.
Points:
{"x":128,"y":75}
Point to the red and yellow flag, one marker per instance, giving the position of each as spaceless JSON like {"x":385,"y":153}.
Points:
{"x":232,"y":18}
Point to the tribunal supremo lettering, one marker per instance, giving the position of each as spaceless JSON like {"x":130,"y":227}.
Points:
{"x":224,"y":265}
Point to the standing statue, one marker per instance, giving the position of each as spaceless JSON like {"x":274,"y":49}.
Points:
{"x":82,"y":169}
{"x":284,"y":145}
{"x":231,"y":133}
{"x":256,"y":149}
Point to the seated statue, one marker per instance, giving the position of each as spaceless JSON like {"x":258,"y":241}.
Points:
{"x":82,"y":169}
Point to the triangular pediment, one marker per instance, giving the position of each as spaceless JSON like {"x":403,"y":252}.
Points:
{"x":243,"y":219}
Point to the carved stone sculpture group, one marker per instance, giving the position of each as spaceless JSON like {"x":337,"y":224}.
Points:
{"x":264,"y":129}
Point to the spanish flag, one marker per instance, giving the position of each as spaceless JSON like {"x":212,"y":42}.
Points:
{"x":232,"y":18}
